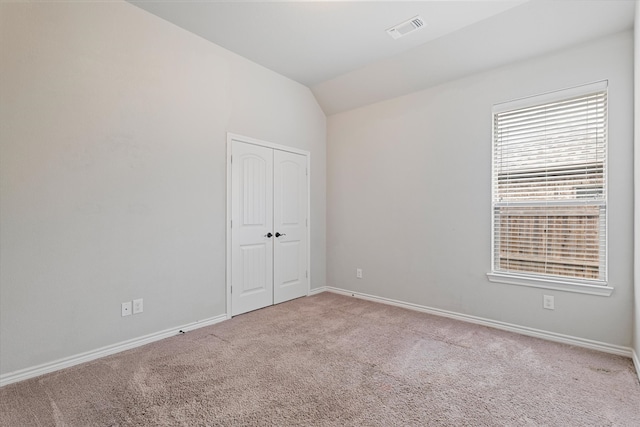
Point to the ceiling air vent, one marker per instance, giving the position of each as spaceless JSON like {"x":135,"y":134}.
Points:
{"x":406,"y":27}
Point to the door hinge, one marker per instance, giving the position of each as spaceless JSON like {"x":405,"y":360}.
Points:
{"x":306,"y":222}
{"x":231,"y":159}
{"x":232,"y":289}
{"x":231,"y":223}
{"x":306,"y":273}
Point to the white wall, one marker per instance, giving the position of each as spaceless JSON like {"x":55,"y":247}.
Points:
{"x":637,"y":183}
{"x":112,"y":173}
{"x":408,"y":196}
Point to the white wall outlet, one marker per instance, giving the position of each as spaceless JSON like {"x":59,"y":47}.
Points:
{"x":137,"y":306}
{"x":547,"y":302}
{"x":358,"y":273}
{"x":126,"y":308}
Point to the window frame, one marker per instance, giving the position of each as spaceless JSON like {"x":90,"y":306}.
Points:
{"x":531,"y":279}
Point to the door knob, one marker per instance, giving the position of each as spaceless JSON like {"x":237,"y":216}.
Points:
{"x":278,"y":234}
{"x":268,"y":235}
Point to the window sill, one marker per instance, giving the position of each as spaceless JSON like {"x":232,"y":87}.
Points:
{"x":551,"y":283}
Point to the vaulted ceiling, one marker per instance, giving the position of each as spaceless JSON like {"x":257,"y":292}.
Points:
{"x":343,"y":53}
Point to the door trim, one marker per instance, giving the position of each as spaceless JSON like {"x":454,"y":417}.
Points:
{"x":248,"y":140}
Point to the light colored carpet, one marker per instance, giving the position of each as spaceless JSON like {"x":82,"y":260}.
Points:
{"x":331,"y":360}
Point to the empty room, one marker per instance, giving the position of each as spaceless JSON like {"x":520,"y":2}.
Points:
{"x":321,"y":213}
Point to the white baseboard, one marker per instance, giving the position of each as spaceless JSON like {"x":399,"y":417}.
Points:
{"x":316,"y":291}
{"x":45,"y":368}
{"x":636,"y":362}
{"x":23,"y":374}
{"x":550,"y":336}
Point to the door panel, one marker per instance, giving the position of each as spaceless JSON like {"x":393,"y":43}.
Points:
{"x":290,"y":253}
{"x":290,"y":278}
{"x":252,"y":220}
{"x":289,"y":181}
{"x":254,"y":268}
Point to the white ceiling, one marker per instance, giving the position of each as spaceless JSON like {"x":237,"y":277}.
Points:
{"x":342,"y":52}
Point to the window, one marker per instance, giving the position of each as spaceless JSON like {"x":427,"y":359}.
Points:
{"x":549,"y":198}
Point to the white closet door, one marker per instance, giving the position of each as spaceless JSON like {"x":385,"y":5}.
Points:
{"x":290,"y":277}
{"x":252,"y":225}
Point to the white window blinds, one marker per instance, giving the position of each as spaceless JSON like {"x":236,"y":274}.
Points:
{"x":549,"y":186}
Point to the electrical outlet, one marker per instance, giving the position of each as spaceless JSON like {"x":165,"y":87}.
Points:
{"x":358,"y":273}
{"x":126,"y":308}
{"x":137,"y":306}
{"x":548,"y":302}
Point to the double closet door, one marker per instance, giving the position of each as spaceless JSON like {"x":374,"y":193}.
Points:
{"x":269,"y":202}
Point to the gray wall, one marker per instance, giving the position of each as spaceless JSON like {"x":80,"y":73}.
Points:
{"x":112,"y":173}
{"x":637,"y":182}
{"x":408,"y":195}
